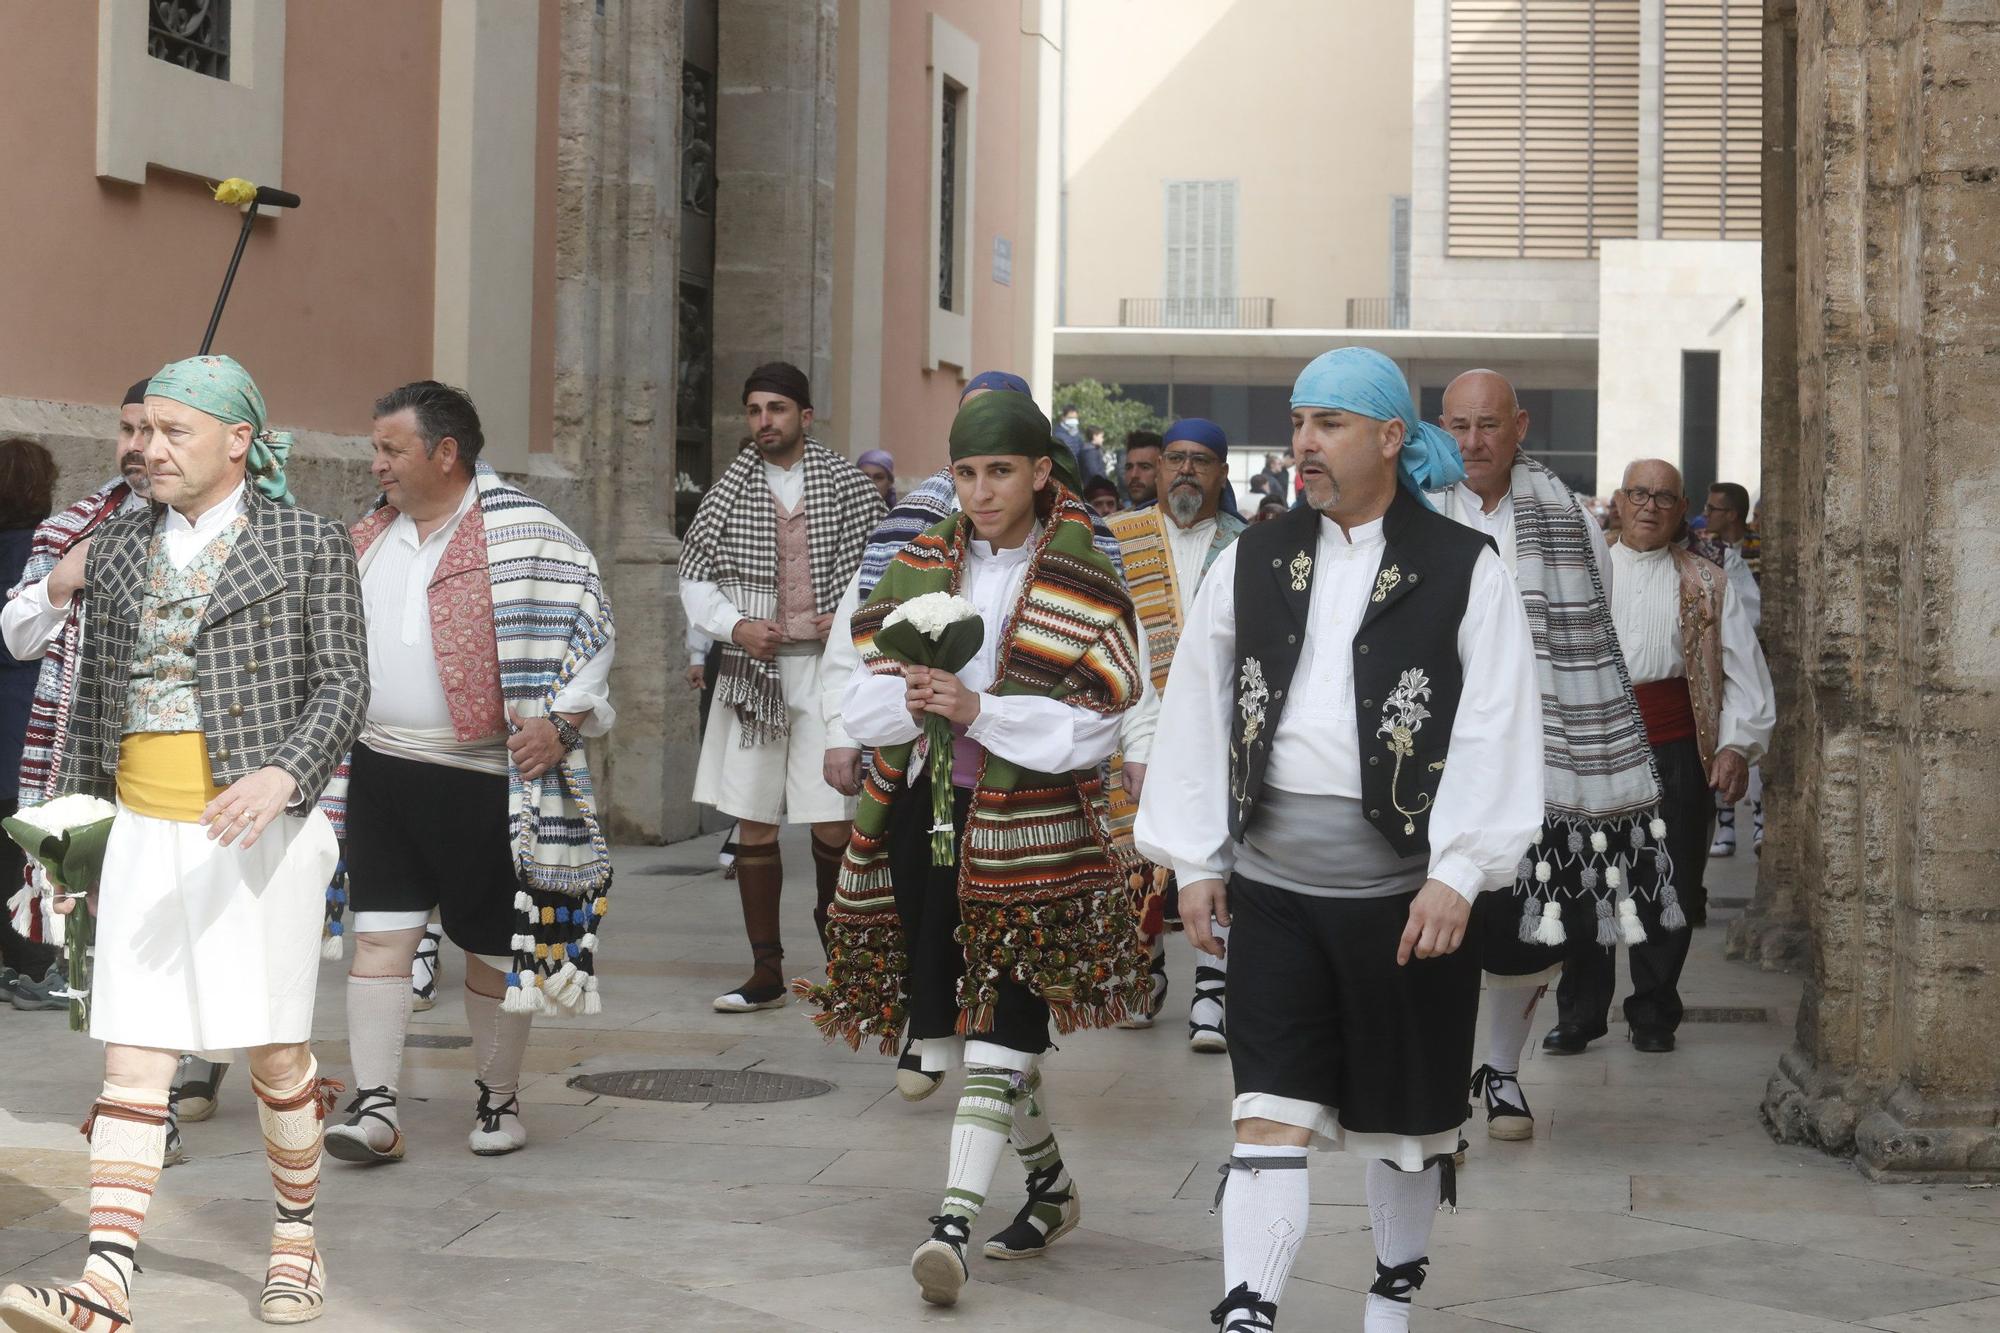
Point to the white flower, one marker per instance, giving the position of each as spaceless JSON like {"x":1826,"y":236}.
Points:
{"x":933,"y":613}
{"x":68,"y":812}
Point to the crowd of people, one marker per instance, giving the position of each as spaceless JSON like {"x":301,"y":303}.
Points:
{"x":1413,"y":729}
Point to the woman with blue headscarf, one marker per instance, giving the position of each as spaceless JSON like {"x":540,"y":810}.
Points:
{"x":1361,"y":671}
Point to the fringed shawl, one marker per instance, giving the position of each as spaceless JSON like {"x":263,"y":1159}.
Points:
{"x":1041,"y":897}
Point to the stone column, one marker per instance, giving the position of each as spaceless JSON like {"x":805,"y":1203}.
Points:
{"x":1888,"y":590}
{"x":1772,"y":932}
{"x":775,"y":161}
{"x":617,"y":237}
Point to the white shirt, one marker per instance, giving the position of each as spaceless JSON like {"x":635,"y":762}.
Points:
{"x":408,"y":714}
{"x":181,"y":541}
{"x":707,"y":609}
{"x":1030,"y":730}
{"x":29,"y":622}
{"x":1489,"y":799}
{"x":1464,"y":504}
{"x":1743,"y":582}
{"x":1646,"y":610}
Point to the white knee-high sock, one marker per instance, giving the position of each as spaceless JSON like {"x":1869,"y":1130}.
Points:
{"x":1211,"y":973}
{"x":499,"y":1042}
{"x":1402,"y":1207}
{"x":1263,"y":1223}
{"x":979,"y":1133}
{"x":1510,"y":1018}
{"x":378,"y":1020}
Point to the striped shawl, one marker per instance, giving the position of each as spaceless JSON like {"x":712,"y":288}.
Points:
{"x":1041,"y":898}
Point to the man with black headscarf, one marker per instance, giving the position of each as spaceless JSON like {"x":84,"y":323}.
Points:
{"x":774,"y":542}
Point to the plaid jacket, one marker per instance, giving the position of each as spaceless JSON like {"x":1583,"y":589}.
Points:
{"x":282,"y":656}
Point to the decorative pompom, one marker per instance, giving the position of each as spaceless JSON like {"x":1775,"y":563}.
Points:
{"x":1638,"y":838}
{"x":1614,"y":876}
{"x":1629,"y":927}
{"x":1538,"y":837}
{"x":1576,"y":842}
{"x":1607,"y":928}
{"x":1543,"y":871}
{"x":331,"y":947}
{"x":1587,"y":877}
{"x":1525,"y":869}
{"x":1550,"y":930}
{"x":1598,"y":842}
{"x":1658,"y":827}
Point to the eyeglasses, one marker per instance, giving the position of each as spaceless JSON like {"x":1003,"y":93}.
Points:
{"x":1642,"y":498}
{"x":1713,"y":508}
{"x":1200,"y":462}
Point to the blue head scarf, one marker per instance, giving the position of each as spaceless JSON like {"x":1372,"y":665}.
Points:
{"x":1201,"y":431}
{"x":1366,"y":383}
{"x":1005,"y":381}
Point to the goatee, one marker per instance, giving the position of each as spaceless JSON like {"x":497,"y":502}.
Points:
{"x":1184,"y":503}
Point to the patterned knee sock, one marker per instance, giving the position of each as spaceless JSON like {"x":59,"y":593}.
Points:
{"x":1035,"y":1142}
{"x":296,"y":1278}
{"x":826,"y":882}
{"x":127,"y":1129}
{"x":978,"y":1133}
{"x":1264,"y":1199}
{"x":1402,"y":1207}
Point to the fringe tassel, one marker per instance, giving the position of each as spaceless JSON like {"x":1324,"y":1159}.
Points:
{"x":1531,"y":917}
{"x":1629,"y":927}
{"x":1607,"y":927}
{"x":1550,"y":930}
{"x":1671,"y":916}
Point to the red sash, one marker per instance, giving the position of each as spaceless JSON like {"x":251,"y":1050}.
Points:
{"x":1666,"y":709}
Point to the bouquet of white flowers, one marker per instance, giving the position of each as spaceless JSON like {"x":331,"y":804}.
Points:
{"x":66,"y":837}
{"x":942,"y":631}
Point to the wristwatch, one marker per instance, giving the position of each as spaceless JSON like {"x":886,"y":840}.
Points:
{"x":572,"y":739}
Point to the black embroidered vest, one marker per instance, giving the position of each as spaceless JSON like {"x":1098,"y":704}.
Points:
{"x":1407,"y":677}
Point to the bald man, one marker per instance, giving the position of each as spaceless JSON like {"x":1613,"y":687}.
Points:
{"x":1599,"y":789}
{"x":1705,"y":695}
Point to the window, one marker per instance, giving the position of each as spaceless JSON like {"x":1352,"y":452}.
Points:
{"x":193,"y":34}
{"x":951,"y":108}
{"x":1399,"y":261}
{"x":1201,"y":253}
{"x":1711,"y":112}
{"x":1701,"y":407}
{"x":1542,"y":128}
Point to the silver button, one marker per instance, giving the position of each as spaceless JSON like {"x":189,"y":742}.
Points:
{"x":1291,"y":638}
{"x":1374,"y":759}
{"x":1362,"y":648}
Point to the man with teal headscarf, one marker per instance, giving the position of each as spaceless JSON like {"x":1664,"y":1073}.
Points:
{"x":223,"y":676}
{"x":1361,"y":670}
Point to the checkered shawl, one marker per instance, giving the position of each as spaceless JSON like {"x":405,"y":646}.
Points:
{"x":733,"y":543}
{"x":934,"y":500}
{"x":1041,"y":893}
{"x":41,"y":755}
{"x":1602,"y":790}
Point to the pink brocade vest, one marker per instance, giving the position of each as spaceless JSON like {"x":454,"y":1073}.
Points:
{"x":796,"y":605}
{"x":462,"y":635}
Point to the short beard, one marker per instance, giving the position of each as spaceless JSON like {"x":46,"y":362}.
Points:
{"x":784,"y":446}
{"x":1325,"y":506}
{"x":1184,"y":503}
{"x":1143,"y":495}
{"x":138,"y":479}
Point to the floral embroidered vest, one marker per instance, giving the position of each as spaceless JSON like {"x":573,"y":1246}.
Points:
{"x":162,"y":692}
{"x":462,"y":632}
{"x":1702,"y":582}
{"x":1407,"y":677}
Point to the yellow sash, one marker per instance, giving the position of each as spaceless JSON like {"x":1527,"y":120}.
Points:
{"x":164,"y":774}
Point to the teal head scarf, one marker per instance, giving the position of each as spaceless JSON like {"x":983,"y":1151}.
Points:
{"x":220,"y":387}
{"x":1368,"y":384}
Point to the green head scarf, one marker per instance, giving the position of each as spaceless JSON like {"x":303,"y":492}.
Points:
{"x":1010,"y":423}
{"x":220,"y":387}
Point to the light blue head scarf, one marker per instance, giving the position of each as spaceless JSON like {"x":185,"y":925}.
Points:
{"x":1366,"y":383}
{"x":220,"y":387}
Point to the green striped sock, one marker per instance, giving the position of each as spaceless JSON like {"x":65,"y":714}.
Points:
{"x":1035,"y":1143}
{"x":978,"y":1133}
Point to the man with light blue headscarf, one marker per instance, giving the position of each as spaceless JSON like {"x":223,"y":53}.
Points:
{"x":1362,"y":672}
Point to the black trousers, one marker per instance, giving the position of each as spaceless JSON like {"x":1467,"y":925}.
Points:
{"x":1590,"y":971}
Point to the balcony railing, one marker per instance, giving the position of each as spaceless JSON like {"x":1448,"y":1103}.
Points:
{"x":1377,"y":312}
{"x":1195,"y":312}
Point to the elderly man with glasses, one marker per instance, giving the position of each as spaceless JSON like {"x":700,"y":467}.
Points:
{"x":1705,"y":695}
{"x":1168,"y":547}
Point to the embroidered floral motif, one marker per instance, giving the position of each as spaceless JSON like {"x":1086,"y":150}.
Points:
{"x":1251,"y":696}
{"x":1403,"y":716}
{"x":1302,"y":568}
{"x":1386,"y":580}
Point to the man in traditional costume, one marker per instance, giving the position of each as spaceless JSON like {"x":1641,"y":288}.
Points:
{"x":223,"y":675}
{"x":1348,"y":754}
{"x":1598,"y":854}
{"x":1028,"y":923}
{"x":1168,"y":548}
{"x":1728,"y":513}
{"x":775,"y":540}
{"x":489,"y":651}
{"x":42,"y":620}
{"x":1705,"y":697}
{"x":927,"y":504}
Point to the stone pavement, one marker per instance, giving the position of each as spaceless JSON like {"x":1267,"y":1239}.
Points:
{"x":1651,"y":1200}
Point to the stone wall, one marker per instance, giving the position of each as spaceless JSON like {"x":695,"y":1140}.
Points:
{"x":1883,"y":599}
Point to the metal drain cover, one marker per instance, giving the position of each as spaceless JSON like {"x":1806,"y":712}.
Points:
{"x":702,"y":1085}
{"x":673,"y":871}
{"x":437,"y":1041}
{"x":1721,"y":1013}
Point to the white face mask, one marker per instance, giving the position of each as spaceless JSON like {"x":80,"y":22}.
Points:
{"x":1069,"y":423}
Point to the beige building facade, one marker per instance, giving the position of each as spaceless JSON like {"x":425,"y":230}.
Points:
{"x":596,"y":217}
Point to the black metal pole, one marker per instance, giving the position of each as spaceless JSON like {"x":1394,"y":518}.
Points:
{"x":228,"y":279}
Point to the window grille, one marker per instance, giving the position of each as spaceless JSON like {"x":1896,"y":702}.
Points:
{"x":948,"y":185}
{"x":193,"y":34}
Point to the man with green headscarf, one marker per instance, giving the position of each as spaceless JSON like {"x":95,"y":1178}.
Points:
{"x":223,"y":675}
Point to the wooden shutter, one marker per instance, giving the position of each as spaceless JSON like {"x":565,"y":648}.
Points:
{"x":1201,"y":243}
{"x":1711,"y":110}
{"x":1543,"y":129}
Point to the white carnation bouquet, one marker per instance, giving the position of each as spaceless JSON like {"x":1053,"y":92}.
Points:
{"x":66,"y":838}
{"x":943,"y":631}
